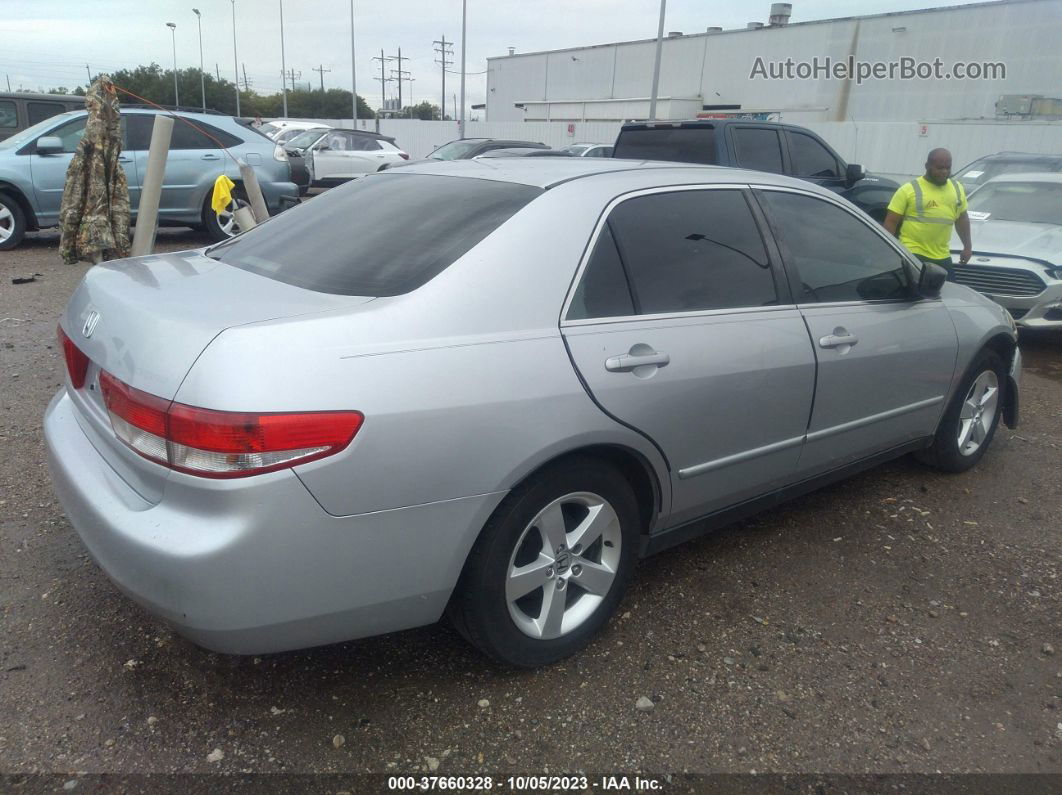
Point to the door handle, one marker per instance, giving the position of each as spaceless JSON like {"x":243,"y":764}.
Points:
{"x":211,"y":157}
{"x":626,"y":362}
{"x":124,"y":159}
{"x":836,"y":340}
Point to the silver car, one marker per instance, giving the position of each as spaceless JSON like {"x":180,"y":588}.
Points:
{"x":1016,"y":223}
{"x":342,"y":423}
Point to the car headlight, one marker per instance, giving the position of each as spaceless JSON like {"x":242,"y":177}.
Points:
{"x":1055,"y":273}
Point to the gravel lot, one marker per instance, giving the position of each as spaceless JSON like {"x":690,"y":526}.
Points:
{"x":901,"y":621}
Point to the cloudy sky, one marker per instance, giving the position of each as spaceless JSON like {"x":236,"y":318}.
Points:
{"x":47,"y":43}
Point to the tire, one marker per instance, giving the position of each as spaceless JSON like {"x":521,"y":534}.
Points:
{"x":223,"y":227}
{"x":970,"y":422}
{"x":511,"y":620}
{"x":12,"y":223}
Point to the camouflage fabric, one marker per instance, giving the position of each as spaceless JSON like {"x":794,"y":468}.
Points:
{"x":94,"y":212}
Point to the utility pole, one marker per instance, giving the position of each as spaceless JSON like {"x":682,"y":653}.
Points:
{"x":218,"y":70}
{"x":9,"y":82}
{"x":321,"y":70}
{"x":656,"y":62}
{"x":234,"y":61}
{"x":383,"y":80}
{"x":461,"y":114}
{"x":291,"y":75}
{"x":87,"y":71}
{"x":353,"y":68}
{"x":283,"y":66}
{"x":399,"y":72}
{"x":246,"y":83}
{"x":446,"y":52}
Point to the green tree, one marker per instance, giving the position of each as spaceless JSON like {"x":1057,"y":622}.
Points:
{"x":425,"y":111}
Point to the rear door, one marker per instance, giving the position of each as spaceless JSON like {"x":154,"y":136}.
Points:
{"x":49,"y":171}
{"x":681,"y":328}
{"x":885,"y":358}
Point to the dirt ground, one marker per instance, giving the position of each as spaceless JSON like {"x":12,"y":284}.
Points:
{"x":901,"y":621}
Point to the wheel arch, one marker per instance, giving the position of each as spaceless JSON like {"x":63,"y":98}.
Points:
{"x":15,"y":193}
{"x":1005,"y":346}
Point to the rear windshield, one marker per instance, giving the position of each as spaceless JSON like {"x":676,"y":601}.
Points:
{"x":682,"y":145}
{"x":386,"y":234}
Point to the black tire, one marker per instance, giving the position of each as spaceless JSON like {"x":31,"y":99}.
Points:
{"x":945,"y":453}
{"x":211,"y":222}
{"x":480,"y":608}
{"x":12,"y":222}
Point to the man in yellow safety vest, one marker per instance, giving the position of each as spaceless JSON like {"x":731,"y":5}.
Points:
{"x":924,"y":211}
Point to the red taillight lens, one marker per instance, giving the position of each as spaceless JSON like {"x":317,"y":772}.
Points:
{"x":223,"y":444}
{"x":76,"y":362}
{"x":403,"y":155}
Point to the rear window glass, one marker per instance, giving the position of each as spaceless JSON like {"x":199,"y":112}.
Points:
{"x":682,"y":145}
{"x":383,"y":235}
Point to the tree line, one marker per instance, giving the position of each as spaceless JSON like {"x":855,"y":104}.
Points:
{"x":155,"y":84}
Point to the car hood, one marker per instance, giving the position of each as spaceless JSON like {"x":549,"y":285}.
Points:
{"x":1015,"y":239}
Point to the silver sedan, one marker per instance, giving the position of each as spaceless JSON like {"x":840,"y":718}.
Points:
{"x":487,"y":389}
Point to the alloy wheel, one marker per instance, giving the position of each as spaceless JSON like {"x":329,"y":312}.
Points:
{"x":7,"y":224}
{"x":978,"y":412}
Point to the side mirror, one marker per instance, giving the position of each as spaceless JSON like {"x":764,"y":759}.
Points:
{"x":931,"y":280}
{"x":49,"y":145}
{"x":853,"y":174}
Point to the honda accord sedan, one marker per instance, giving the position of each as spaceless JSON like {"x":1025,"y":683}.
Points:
{"x":343,"y":423}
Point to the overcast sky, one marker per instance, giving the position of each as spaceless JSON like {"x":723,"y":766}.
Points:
{"x":47,"y":43}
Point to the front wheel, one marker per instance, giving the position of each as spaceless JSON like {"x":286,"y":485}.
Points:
{"x":970,"y":422}
{"x":12,"y":223}
{"x":222,"y":226}
{"x":551,"y":565}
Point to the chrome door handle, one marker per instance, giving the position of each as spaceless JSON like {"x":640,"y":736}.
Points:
{"x":837,"y":340}
{"x":626,"y":362}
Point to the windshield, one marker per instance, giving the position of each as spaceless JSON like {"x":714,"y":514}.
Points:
{"x":268,"y":128}
{"x":1032,"y":202}
{"x":576,"y":149}
{"x":455,"y":150}
{"x":980,"y":171}
{"x":359,"y":240}
{"x":27,"y":135}
{"x":305,"y":140}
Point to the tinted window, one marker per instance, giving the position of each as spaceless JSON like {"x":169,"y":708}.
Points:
{"x":72,"y":132}
{"x":185,"y":136}
{"x":689,"y":145}
{"x":836,"y":256}
{"x":692,"y":250}
{"x":39,"y":111}
{"x":603,"y":291}
{"x":758,"y":149}
{"x":358,"y":239}
{"x":810,"y":158}
{"x":361,"y":143}
{"x":8,"y":116}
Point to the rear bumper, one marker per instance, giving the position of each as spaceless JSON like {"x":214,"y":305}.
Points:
{"x":258,"y":566}
{"x":272,"y":192}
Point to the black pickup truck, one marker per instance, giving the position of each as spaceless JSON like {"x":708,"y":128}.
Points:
{"x":758,"y":145}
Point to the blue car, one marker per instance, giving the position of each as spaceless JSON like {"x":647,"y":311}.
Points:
{"x":33,"y":167}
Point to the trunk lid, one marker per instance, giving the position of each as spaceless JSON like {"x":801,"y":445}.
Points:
{"x":146,"y":320}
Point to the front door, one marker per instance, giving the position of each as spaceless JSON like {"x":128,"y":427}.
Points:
{"x":682,"y":329}
{"x":885,"y":357}
{"x":49,"y":171}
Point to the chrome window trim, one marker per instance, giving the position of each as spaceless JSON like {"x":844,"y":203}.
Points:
{"x":593,"y":321}
{"x":603,"y":218}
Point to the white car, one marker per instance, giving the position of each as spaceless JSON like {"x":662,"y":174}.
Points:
{"x":336,"y":155}
{"x":275,"y":128}
{"x":589,"y":150}
{"x":1016,"y":225}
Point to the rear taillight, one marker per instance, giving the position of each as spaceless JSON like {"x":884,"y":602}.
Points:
{"x":403,"y":155}
{"x":222,"y":444}
{"x":76,"y":361}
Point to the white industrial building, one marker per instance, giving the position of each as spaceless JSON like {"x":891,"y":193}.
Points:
{"x":712,"y":73}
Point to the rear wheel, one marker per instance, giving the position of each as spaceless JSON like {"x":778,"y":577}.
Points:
{"x":222,"y":226}
{"x":551,"y":565}
{"x":970,"y":422}
{"x":12,"y":223}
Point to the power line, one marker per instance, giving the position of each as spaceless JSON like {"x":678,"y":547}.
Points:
{"x":446,"y":52}
{"x":320,"y":70}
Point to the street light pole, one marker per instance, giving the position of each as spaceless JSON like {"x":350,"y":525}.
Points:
{"x":235,"y":62}
{"x":283,"y":65}
{"x":656,"y":64}
{"x":461,"y":123}
{"x":353,"y":72}
{"x":173,"y":34}
{"x":202,"y":77}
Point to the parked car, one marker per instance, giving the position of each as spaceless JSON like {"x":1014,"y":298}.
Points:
{"x":1016,"y":225}
{"x":519,"y":151}
{"x":589,"y":150}
{"x":342,"y":423}
{"x":759,"y":145}
{"x":273,"y":129}
{"x":284,"y":136}
{"x":469,"y":148}
{"x":983,"y":169}
{"x":331,"y":156}
{"x":33,"y":168}
{"x":19,"y":110}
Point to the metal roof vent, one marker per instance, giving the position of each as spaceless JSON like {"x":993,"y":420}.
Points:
{"x":512,"y":51}
{"x":714,"y":30}
{"x":780,"y":13}
{"x":754,"y":26}
{"x":674,"y":34}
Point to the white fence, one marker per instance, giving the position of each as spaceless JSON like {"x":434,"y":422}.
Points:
{"x":883,"y":147}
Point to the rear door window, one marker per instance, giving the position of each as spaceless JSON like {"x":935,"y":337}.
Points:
{"x":8,"y":114}
{"x":674,"y":144}
{"x":359,"y":239}
{"x":39,"y":111}
{"x":758,"y":148}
